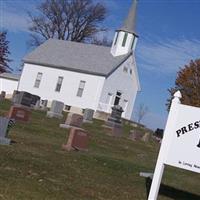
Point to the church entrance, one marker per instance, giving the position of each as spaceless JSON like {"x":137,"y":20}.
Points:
{"x":117,"y":98}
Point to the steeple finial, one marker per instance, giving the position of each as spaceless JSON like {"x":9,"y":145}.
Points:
{"x":130,"y":21}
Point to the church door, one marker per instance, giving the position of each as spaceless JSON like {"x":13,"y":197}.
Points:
{"x":117,"y":98}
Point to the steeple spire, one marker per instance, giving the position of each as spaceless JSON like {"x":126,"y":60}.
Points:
{"x":125,"y":38}
{"x":130,"y":21}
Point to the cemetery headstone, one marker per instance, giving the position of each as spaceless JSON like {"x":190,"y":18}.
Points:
{"x":56,"y":109}
{"x":136,"y":135}
{"x":73,"y":120}
{"x":37,"y":105}
{"x":88,"y":115}
{"x":23,"y":98}
{"x":146,"y":137}
{"x":43,"y":105}
{"x":114,"y":122}
{"x":34,"y":99}
{"x":115,"y":116}
{"x":19,"y":113}
{"x":4,"y":121}
{"x":2,"y":95}
{"x":77,"y":140}
{"x":14,"y":96}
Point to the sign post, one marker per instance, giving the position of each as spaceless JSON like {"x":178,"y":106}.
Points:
{"x":180,"y":145}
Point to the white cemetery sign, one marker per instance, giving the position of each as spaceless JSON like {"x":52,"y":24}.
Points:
{"x":181,"y":142}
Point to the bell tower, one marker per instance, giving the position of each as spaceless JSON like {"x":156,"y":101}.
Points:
{"x":125,"y":38}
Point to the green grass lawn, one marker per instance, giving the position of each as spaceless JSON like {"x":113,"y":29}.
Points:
{"x":35,"y":167}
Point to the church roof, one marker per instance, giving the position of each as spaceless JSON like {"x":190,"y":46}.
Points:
{"x":74,"y":56}
{"x":130,"y":21}
{"x":10,"y":76}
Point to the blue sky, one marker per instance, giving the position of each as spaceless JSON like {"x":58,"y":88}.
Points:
{"x":169,"y":38}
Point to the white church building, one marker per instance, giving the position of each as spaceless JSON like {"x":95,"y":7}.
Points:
{"x":85,"y":75}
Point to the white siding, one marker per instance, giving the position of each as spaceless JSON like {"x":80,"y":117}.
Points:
{"x":123,"y":82}
{"x":117,"y":49}
{"x":8,"y":86}
{"x":70,"y":84}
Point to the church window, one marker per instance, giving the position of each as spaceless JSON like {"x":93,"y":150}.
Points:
{"x":59,"y":84}
{"x":125,"y":39}
{"x":116,"y":38}
{"x":38,"y":80}
{"x":125,"y":69}
{"x":131,"y":71}
{"x":80,"y":89}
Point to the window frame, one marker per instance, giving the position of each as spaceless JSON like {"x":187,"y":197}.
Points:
{"x":81,"y":88}
{"x":38,"y":80}
{"x":59,"y":83}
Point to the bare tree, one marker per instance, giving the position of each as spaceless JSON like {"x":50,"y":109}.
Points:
{"x":101,"y":41}
{"x":75,"y":20}
{"x":141,"y":112}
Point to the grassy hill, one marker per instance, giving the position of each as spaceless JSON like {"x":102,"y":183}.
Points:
{"x":35,"y":167}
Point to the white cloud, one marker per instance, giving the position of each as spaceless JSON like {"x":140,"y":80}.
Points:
{"x":167,"y":56}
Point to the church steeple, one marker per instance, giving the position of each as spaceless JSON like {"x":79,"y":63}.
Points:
{"x":125,"y":38}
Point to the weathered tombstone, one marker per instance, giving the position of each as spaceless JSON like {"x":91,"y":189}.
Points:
{"x":15,"y":96}
{"x":43,"y":105}
{"x":114,"y":122}
{"x":136,"y":135}
{"x":77,"y":140}
{"x":2,"y":95}
{"x":88,"y":115}
{"x":73,"y":120}
{"x":37,"y":105}
{"x":23,"y":98}
{"x":19,"y":113}
{"x":56,"y":109}
{"x":146,"y":137}
{"x":34,"y":99}
{"x":4,"y":121}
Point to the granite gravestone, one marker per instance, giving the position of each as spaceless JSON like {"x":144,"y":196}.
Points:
{"x":15,"y":96}
{"x":2,"y":95}
{"x":37,"y":105}
{"x":73,"y":120}
{"x":4,"y":121}
{"x":56,"y":109}
{"x":136,"y":135}
{"x":115,"y":117}
{"x":22,"y":98}
{"x":88,"y":115}
{"x":43,"y":105}
{"x":77,"y":140}
{"x":34,"y":100}
{"x":146,"y":137}
{"x":19,"y":113}
{"x":114,"y":123}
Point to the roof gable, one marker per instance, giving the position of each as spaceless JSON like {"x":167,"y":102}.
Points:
{"x":74,"y":56}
